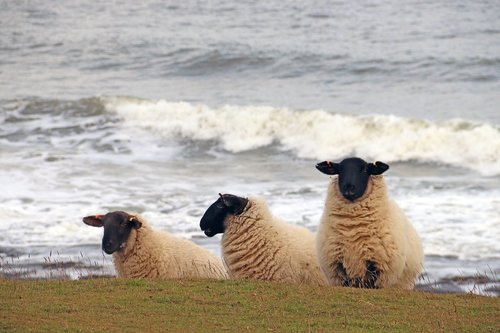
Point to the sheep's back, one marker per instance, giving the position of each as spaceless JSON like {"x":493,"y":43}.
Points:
{"x":185,"y":259}
{"x":274,"y":251}
{"x":156,"y":254}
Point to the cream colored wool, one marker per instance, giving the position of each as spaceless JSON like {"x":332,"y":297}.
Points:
{"x":258,"y":246}
{"x":154,"y":254}
{"x":373,"y":228}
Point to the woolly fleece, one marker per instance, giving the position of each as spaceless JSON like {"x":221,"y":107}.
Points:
{"x":373,"y":228}
{"x":258,"y":246}
{"x":154,"y":254}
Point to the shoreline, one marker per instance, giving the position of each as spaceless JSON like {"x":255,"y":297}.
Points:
{"x":441,"y":275}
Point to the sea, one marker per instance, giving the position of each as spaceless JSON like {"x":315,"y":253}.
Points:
{"x":156,"y":107}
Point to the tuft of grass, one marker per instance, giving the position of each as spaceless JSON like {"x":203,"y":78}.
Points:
{"x":53,"y":266}
{"x":124,"y":305}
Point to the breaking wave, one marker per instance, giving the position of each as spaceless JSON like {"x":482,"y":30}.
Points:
{"x":317,"y":134}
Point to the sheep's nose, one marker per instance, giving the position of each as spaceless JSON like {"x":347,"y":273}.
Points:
{"x":107,"y":245}
{"x":349,"y":189}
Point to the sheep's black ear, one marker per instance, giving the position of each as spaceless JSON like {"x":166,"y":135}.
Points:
{"x":377,"y":168}
{"x":93,"y":220}
{"x":235,"y":204}
{"x":328,"y":168}
{"x":135,"y":222}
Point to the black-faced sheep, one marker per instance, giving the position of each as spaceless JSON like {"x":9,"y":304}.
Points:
{"x":258,"y":246}
{"x":141,"y":252}
{"x":364,"y":239}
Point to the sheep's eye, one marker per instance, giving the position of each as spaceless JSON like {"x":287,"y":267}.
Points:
{"x":220,"y":205}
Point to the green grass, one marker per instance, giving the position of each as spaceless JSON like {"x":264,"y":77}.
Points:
{"x":121,"y":305}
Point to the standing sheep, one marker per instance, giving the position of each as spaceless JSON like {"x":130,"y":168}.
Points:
{"x":140,"y":252}
{"x":364,"y":239}
{"x":256,"y":245}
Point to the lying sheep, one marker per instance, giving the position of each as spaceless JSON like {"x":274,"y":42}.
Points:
{"x":258,"y":246}
{"x":140,"y":252}
{"x":364,"y":239}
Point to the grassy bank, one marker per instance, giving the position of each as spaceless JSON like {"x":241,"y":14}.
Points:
{"x":117,"y":305}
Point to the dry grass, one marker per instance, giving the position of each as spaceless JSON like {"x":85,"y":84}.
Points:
{"x":206,"y":306}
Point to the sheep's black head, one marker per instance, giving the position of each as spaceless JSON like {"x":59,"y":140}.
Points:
{"x":353,"y":175}
{"x":117,"y":226}
{"x":212,"y":222}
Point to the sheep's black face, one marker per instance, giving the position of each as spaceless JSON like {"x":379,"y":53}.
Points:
{"x":353,"y":175}
{"x":212,"y":222}
{"x":353,"y":178}
{"x":117,"y":226}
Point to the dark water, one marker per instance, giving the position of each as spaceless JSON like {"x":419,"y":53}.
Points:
{"x":432,"y":59}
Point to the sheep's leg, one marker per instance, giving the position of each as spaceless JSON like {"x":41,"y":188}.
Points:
{"x":368,"y":281}
{"x":371,"y":276}
{"x":341,"y":273}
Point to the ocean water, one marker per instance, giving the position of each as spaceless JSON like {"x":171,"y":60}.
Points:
{"x":156,"y":107}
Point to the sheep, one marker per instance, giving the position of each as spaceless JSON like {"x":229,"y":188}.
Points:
{"x":141,"y":252}
{"x":364,"y":239}
{"x":256,"y":245}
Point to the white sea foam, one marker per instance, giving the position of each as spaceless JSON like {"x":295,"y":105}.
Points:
{"x":455,"y":223}
{"x":318,"y":134}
